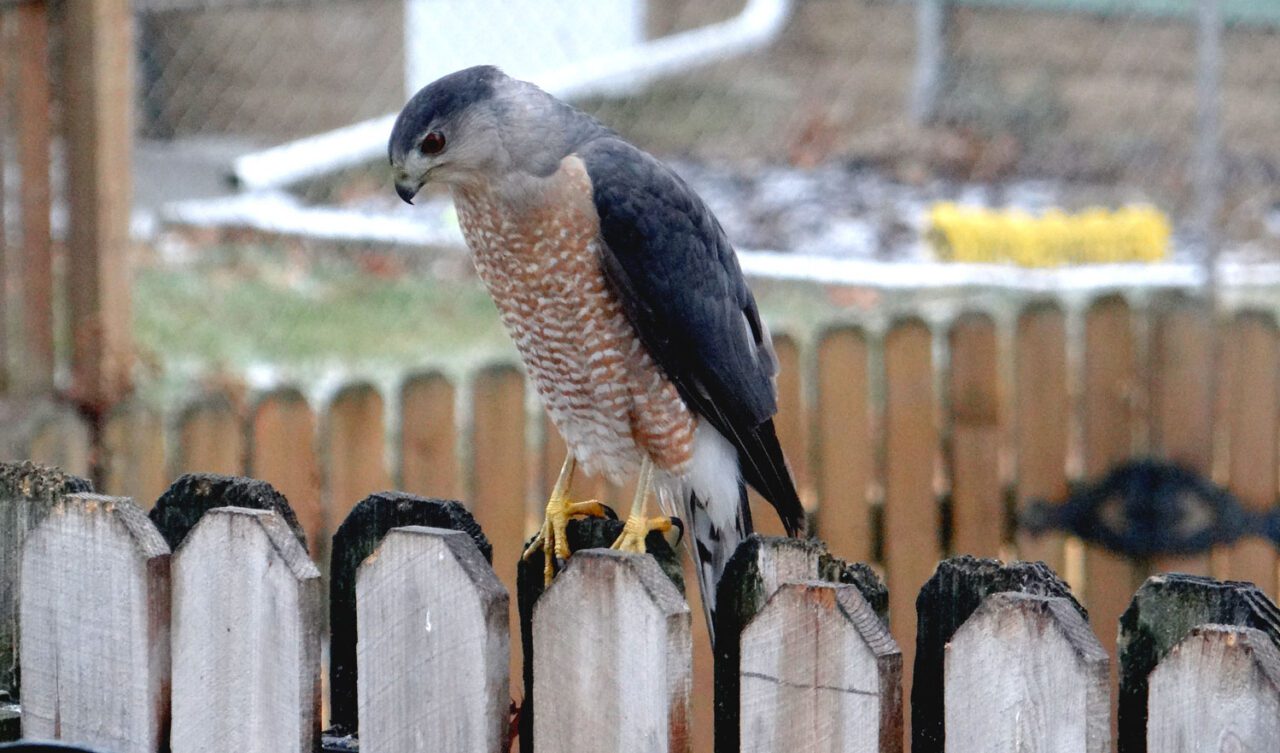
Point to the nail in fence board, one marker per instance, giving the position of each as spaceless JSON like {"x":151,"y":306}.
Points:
{"x":955,"y":591}
{"x":1163,"y":612}
{"x":95,"y":626}
{"x":820,"y":674}
{"x":1218,"y":689}
{"x":434,"y":646}
{"x":612,"y":657}
{"x":246,"y":636}
{"x":356,"y":539}
{"x":27,"y":493}
{"x":1025,"y":673}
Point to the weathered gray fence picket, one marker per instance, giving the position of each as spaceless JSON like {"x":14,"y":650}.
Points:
{"x":95,"y":626}
{"x":613,"y":658}
{"x":805,"y":664}
{"x":246,"y":636}
{"x":1024,"y":672}
{"x":827,"y":683}
{"x":1217,"y":690}
{"x":434,"y":648}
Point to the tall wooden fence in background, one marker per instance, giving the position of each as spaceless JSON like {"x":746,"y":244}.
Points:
{"x":911,"y":444}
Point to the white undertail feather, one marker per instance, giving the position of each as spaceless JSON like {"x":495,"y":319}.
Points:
{"x":712,"y":501}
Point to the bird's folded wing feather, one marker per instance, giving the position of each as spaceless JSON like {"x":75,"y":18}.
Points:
{"x":676,"y":276}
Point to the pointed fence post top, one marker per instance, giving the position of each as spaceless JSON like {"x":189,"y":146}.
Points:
{"x":244,"y":588}
{"x":1220,"y":684}
{"x":612,"y":658}
{"x":440,"y":543}
{"x":95,"y":573}
{"x":1025,"y":672}
{"x":1163,"y":612}
{"x":187,"y":500}
{"x":222,"y":523}
{"x":837,"y":604}
{"x":434,"y":649}
{"x":1005,"y":611}
{"x":145,"y":538}
{"x":819,"y":671}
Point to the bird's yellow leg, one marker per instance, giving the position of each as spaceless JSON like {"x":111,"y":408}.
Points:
{"x":638,"y":525}
{"x":552,"y":539}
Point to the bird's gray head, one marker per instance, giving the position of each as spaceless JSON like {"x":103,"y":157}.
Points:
{"x":480,"y":124}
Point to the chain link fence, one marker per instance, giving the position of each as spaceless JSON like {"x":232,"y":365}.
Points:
{"x":1034,"y":103}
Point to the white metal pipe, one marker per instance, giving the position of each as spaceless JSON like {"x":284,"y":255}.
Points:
{"x":758,"y":23}
{"x":277,"y":212}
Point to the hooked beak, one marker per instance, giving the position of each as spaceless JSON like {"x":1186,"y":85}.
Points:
{"x":407,"y":191}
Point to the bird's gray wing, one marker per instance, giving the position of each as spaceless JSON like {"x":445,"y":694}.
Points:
{"x":678,"y":279}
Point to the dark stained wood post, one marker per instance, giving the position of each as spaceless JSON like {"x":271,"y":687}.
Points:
{"x":955,"y":591}
{"x":97,"y":78}
{"x":356,"y":539}
{"x":1163,"y":612}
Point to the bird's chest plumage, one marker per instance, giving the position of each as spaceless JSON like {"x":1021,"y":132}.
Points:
{"x":540,"y":260}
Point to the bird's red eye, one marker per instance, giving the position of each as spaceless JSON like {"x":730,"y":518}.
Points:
{"x":433,"y":143}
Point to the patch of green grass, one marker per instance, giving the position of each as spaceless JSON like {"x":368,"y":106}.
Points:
{"x":229,"y":318}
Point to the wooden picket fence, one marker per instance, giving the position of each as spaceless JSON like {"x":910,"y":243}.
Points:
{"x":198,"y":626}
{"x":911,"y":442}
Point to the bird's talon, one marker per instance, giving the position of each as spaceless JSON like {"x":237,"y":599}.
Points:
{"x":553,"y":539}
{"x":636,"y":529}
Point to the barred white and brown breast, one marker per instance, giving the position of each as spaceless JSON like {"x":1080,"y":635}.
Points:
{"x":538,"y":253}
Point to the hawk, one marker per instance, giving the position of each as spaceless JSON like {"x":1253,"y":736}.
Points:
{"x":625,"y":301}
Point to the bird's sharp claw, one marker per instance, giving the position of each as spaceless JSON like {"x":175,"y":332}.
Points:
{"x":636,"y":529}
{"x":553,"y":539}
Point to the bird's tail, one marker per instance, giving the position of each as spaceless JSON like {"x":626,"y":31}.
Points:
{"x":713,"y":498}
{"x":712,"y":544}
